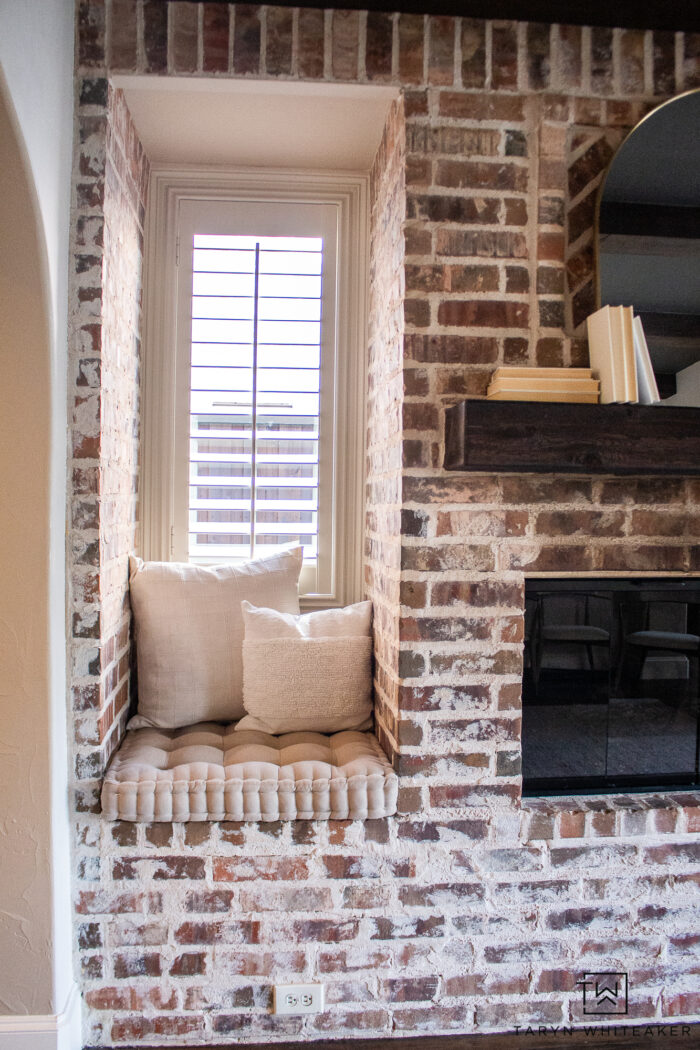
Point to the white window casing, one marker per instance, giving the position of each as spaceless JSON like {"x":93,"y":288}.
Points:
{"x":215,"y":206}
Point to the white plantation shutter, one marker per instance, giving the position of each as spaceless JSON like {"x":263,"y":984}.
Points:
{"x":254,"y":395}
{"x":256,"y":343}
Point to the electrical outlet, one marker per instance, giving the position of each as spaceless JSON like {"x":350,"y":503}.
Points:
{"x":297,"y":999}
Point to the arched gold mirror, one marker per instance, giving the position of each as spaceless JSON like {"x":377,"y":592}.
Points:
{"x":649,"y":240}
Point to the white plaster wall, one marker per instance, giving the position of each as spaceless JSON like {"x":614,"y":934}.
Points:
{"x":36,"y":133}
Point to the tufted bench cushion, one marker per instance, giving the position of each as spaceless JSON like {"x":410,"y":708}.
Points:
{"x":209,"y":772}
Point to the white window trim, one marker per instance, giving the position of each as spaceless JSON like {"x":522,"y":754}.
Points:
{"x":349,"y":192}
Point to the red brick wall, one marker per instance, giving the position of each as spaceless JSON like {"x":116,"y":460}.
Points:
{"x":469,"y":910}
{"x":385,"y":399}
{"x":111,"y":183}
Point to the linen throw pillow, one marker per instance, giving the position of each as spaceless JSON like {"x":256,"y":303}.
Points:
{"x":189,"y":634}
{"x":309,"y":673}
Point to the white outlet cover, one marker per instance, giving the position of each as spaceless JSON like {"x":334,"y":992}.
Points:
{"x":297,"y":999}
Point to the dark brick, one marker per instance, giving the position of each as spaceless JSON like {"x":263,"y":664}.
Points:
{"x":538,"y":57}
{"x":345,"y":44}
{"x":311,"y":43}
{"x":147,"y":964}
{"x":416,"y":313}
{"x":304,"y":832}
{"x":551,"y":314}
{"x":453,"y":209}
{"x":89,"y":935}
{"x":472,"y":174}
{"x":197,"y":832}
{"x":123,"y":35}
{"x":516,"y":144}
{"x":474,"y":279}
{"x":473,"y":53}
{"x":91,"y":33}
{"x":441,"y":52}
{"x":601,"y":60}
{"x":183,"y":19}
{"x":159,"y":834}
{"x":411,"y":45}
{"x":94,"y":91}
{"x":505,"y":57}
{"x":664,"y":59}
{"x":450,"y":349}
{"x":179,"y":868}
{"x":478,"y":313}
{"x":487,"y":106}
{"x":516,"y":351}
{"x":569,"y":46}
{"x":190,"y":964}
{"x":632,"y":61}
{"x":155,"y":35}
{"x":517,"y":279}
{"x":278,"y":53}
{"x":379,"y":45}
{"x":414,"y":523}
{"x":215,"y":37}
{"x":246,"y":39}
{"x":481,"y":243}
{"x":508,"y":763}
{"x":377,"y":830}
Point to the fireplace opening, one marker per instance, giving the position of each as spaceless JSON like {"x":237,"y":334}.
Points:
{"x":611,"y":685}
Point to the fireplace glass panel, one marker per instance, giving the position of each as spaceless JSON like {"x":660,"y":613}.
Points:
{"x":610,"y":684}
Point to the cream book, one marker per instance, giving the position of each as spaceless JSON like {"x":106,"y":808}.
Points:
{"x":623,"y":345}
{"x":607,"y":354}
{"x":577,"y":397}
{"x":539,"y":383}
{"x":515,"y":372}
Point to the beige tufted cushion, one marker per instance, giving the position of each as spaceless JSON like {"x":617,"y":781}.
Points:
{"x":210,"y":772}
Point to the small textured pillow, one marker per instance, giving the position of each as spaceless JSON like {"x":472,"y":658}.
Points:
{"x":310,"y":673}
{"x":189,"y":634}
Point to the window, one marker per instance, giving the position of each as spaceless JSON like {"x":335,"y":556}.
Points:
{"x":254,"y":371}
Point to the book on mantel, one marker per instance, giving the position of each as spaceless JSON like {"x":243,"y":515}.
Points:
{"x":543,"y":384}
{"x":620,"y":357}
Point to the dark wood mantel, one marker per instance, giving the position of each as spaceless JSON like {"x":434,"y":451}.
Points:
{"x":542,"y":437}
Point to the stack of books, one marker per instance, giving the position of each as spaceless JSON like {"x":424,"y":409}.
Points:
{"x":543,"y":384}
{"x":619,"y":356}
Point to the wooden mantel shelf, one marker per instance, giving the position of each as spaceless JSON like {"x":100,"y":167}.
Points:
{"x":542,"y":437}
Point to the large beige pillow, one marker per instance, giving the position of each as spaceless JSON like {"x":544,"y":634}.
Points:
{"x":189,"y":634}
{"x":310,"y":673}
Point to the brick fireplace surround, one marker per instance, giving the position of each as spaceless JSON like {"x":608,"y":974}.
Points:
{"x":470,"y":910}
